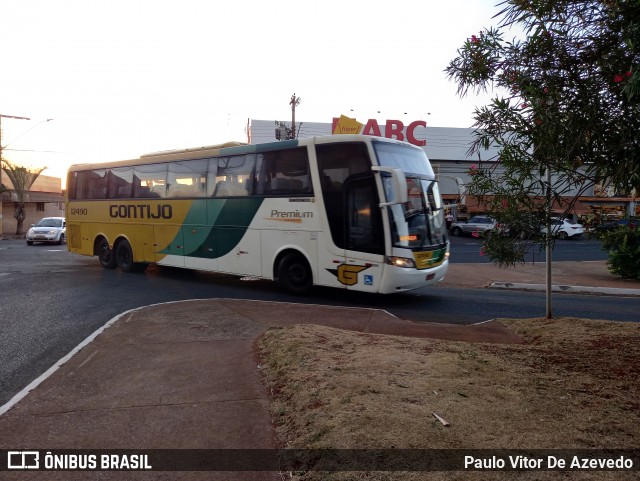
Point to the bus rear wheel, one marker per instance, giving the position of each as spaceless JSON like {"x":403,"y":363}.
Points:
{"x":105,"y":255}
{"x":294,"y":274}
{"x":124,"y":257}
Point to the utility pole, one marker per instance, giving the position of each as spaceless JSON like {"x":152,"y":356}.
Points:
{"x":1,"y":148}
{"x":294,"y":102}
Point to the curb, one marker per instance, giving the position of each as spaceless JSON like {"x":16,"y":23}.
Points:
{"x":569,"y":289}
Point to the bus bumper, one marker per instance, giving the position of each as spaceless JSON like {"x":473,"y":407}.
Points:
{"x":407,"y":279}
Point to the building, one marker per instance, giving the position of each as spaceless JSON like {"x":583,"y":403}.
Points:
{"x":44,"y":199}
{"x":448,"y":150}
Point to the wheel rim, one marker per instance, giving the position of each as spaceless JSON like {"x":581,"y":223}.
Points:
{"x":124,"y":257}
{"x":297,"y":274}
{"x":104,"y":253}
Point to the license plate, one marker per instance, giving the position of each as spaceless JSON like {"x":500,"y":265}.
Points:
{"x":428,"y":259}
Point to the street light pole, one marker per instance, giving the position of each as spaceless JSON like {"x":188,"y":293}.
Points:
{"x":1,"y":148}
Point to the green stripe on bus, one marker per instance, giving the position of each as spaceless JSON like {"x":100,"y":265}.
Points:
{"x":228,"y":219}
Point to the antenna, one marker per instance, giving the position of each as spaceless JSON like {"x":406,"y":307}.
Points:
{"x":294,"y":102}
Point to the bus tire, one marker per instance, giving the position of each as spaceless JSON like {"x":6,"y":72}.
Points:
{"x":106,"y":255}
{"x":124,"y":257}
{"x":294,"y":274}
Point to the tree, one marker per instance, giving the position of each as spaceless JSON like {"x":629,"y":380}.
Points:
{"x":22,"y":180}
{"x":566,"y":113}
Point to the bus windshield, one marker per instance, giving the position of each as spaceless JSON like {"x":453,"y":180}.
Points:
{"x":419,"y":223}
{"x":410,"y":160}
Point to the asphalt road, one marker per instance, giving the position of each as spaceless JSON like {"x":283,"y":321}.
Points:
{"x":52,"y":300}
{"x":467,"y":250}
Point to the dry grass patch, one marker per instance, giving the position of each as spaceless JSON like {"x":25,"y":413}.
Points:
{"x":574,"y":384}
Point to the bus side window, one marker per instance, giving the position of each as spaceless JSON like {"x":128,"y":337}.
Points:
{"x":234,"y":176}
{"x":149,"y":181}
{"x":120,"y":183}
{"x":188,"y":178}
{"x":97,"y":188}
{"x":284,"y":172}
{"x":80,"y":188}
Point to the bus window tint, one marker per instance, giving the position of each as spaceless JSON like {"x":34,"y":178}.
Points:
{"x":149,"y":181}
{"x":120,"y":182}
{"x":212,"y":171}
{"x":234,"y":175}
{"x":97,"y":185}
{"x":79,"y":184}
{"x":284,"y":172}
{"x":336,"y":163}
{"x":188,"y":178}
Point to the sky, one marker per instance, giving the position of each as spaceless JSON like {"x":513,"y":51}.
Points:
{"x":127,"y":77}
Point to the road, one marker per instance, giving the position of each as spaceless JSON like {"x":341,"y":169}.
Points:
{"x":467,"y":249}
{"x":52,"y":300}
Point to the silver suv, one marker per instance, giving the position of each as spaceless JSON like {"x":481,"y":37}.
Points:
{"x":477,"y":226}
{"x":48,"y":229}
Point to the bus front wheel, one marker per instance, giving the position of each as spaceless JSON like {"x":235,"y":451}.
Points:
{"x":105,"y":255}
{"x":294,"y":274}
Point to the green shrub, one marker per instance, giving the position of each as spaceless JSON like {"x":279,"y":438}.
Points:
{"x":623,"y":245}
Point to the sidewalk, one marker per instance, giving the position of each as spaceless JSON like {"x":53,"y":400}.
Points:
{"x":589,"y":277}
{"x":185,"y":375}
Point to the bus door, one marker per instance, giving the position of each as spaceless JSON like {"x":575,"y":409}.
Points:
{"x":353,"y":249}
{"x":364,"y":234}
{"x":353,"y":257}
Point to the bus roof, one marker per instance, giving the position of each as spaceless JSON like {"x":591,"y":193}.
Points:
{"x":228,"y":148}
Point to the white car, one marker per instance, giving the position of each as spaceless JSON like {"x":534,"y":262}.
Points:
{"x":564,"y":229}
{"x":477,"y":226}
{"x":48,"y":229}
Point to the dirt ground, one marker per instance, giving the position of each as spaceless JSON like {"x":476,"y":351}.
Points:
{"x":573,"y":383}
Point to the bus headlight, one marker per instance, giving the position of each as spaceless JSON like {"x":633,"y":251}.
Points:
{"x":400,"y":261}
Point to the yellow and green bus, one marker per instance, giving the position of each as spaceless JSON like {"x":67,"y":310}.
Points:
{"x":347,"y":211}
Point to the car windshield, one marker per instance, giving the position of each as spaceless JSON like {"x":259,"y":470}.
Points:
{"x":49,"y":223}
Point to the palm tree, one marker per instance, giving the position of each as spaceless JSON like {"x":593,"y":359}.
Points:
{"x":22,"y":180}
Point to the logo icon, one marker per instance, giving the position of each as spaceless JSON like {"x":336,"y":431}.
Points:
{"x":23,"y":459}
{"x":347,"y":274}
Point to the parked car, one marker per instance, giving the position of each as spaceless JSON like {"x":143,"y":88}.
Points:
{"x":48,"y":229}
{"x":478,"y":226}
{"x":564,"y":229}
{"x":630,"y":223}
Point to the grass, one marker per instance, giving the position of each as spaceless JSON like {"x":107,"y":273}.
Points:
{"x":572,"y":384}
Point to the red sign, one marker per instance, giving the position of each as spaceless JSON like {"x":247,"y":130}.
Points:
{"x":394,"y":129}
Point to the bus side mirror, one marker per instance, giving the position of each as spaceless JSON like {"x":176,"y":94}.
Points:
{"x":398,"y":185}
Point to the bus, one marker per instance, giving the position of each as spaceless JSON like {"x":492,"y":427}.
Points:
{"x":348,"y":211}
